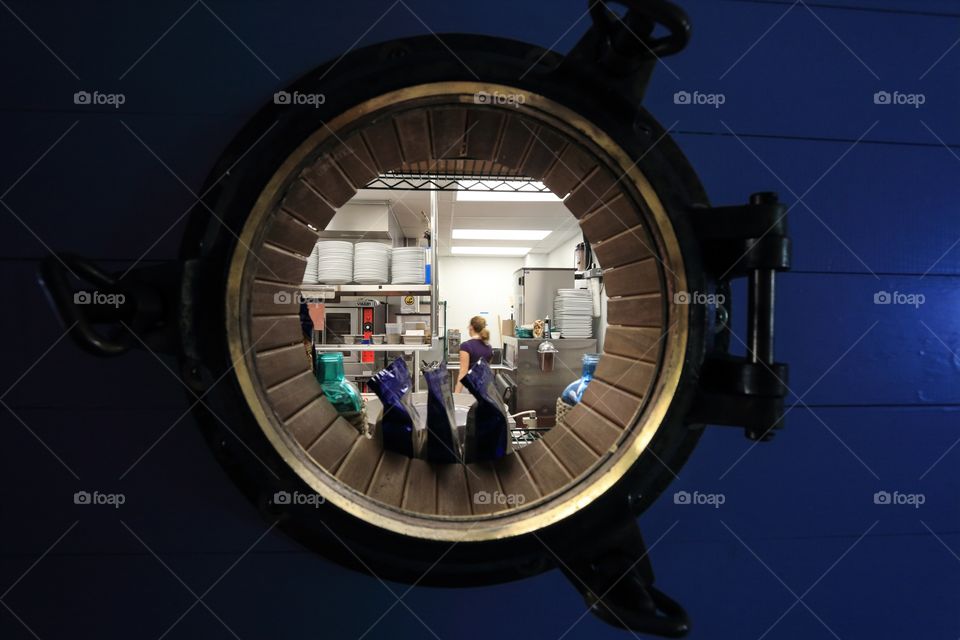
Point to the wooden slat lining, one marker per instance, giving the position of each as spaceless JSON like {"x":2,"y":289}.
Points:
{"x":618,"y":406}
{"x":515,"y":480}
{"x":571,"y":168}
{"x":289,"y":397}
{"x":569,"y":449}
{"x":613,"y":217}
{"x":514,"y":142}
{"x":548,"y":473}
{"x":334,"y":444}
{"x":628,"y":374}
{"x":636,"y":311}
{"x":381,"y":139}
{"x":453,"y":495}
{"x":311,"y":422}
{"x":482,"y":479}
{"x":306,"y":205}
{"x":279,"y":265}
{"x":326,"y":178}
{"x":635,"y":278}
{"x":272,"y":299}
{"x":355,"y":161}
{"x":544,"y":150}
{"x":483,"y":133}
{"x":448,"y":128}
{"x":420,"y":491}
{"x":390,"y":478}
{"x":414,"y":135}
{"x":624,"y":248}
{"x":289,"y":233}
{"x":360,"y":464}
{"x":599,"y":187}
{"x":269,"y":333}
{"x":274,"y":367}
{"x":591,"y":427}
{"x":637,"y":343}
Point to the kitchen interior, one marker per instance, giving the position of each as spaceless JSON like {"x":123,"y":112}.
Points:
{"x":402,"y":269}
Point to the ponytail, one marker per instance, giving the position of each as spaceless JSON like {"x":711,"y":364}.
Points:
{"x":479,"y":326}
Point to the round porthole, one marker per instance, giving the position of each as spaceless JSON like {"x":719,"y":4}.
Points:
{"x":637,"y":377}
{"x":483,"y":107}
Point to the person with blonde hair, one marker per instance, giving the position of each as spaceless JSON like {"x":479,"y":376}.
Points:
{"x":476,"y":349}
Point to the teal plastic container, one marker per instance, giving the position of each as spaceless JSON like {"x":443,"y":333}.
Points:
{"x":329,"y":371}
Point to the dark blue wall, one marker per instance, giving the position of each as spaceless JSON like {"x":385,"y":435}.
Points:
{"x":875,"y":386}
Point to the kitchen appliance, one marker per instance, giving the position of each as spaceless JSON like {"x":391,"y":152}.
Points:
{"x":540,"y":370}
{"x":361,"y":319}
{"x":227,"y":308}
{"x":453,"y":345}
{"x":534,"y":289}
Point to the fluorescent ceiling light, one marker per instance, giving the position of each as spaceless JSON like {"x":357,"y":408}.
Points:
{"x":507,"y":191}
{"x":501,"y":234}
{"x":490,"y":251}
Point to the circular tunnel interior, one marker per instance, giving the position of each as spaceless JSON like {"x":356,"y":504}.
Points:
{"x":436,"y":130}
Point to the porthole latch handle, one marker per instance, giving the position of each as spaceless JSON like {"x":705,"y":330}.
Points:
{"x":109,"y":313}
{"x":616,"y":582}
{"x":624,"y":49}
{"x":749,"y":241}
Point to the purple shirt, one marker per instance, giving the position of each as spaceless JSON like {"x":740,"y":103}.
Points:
{"x":477,"y":349}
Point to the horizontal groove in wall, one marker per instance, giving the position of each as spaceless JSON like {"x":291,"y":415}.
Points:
{"x":843,"y":7}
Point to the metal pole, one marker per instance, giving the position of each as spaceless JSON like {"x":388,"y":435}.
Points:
{"x":434,"y":275}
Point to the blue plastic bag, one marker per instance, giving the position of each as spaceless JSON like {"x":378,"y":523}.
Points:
{"x":442,"y":443}
{"x":488,"y":421}
{"x":398,"y":417}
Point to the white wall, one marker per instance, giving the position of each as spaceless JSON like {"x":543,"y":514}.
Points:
{"x":536,"y":259}
{"x":477,"y":286}
{"x":562,"y":256}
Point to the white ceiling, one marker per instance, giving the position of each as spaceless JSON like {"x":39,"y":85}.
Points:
{"x":412,"y":209}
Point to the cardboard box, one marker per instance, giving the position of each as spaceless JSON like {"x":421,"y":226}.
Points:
{"x":507,"y":327}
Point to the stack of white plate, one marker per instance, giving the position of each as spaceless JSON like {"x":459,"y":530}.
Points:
{"x":573,"y":313}
{"x":313,"y":262}
{"x":409,"y":264}
{"x":334,"y":262}
{"x":371,"y":263}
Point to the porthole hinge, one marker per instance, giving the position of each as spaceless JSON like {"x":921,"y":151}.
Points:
{"x":745,"y":241}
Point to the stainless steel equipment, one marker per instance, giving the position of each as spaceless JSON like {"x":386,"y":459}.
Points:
{"x":533,"y":388}
{"x":354,"y":318}
{"x":453,"y":345}
{"x":546,"y":356}
{"x":534,"y":289}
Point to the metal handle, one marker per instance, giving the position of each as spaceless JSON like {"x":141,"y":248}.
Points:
{"x":616,"y":582}
{"x":81,"y":309}
{"x":632,"y":35}
{"x":139,"y":306}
